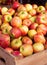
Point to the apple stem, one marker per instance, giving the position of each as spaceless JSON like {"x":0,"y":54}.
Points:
{"x":20,"y":38}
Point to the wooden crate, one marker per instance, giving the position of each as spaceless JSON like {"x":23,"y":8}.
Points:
{"x":36,"y":59}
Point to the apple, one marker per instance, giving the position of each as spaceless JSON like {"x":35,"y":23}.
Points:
{"x":4,"y":40}
{"x":41,"y":19}
{"x":0,"y":16}
{"x":4,"y":10}
{"x":0,"y":9}
{"x":5,"y":27}
{"x":16,"y":32}
{"x":29,"y":16}
{"x":16,"y":14}
{"x":21,"y":8}
{"x":23,"y":14}
{"x":33,"y":19}
{"x":46,"y":14}
{"x":42,"y":29}
{"x":0,"y":32}
{"x":26,"y":50}
{"x":11,"y":11}
{"x":0,"y":22}
{"x":16,"y":43}
{"x":45,"y":44}
{"x":37,"y":47}
{"x":6,"y":18}
{"x":9,"y":50}
{"x":39,"y":38}
{"x":35,"y":6}
{"x":27,"y":22}
{"x":33,"y":26}
{"x":40,"y":9}
{"x":24,"y":30}
{"x":15,"y":5}
{"x":17,"y":54}
{"x":26,"y":40}
{"x":16,"y":21}
{"x":31,"y":33}
{"x":32,"y":12}
{"x":28,"y":7}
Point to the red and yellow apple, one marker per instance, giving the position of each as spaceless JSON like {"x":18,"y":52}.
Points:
{"x":4,"y":40}
{"x":37,"y":47}
{"x":6,"y":18}
{"x":39,"y":38}
{"x":26,"y":40}
{"x":16,"y":43}
{"x":28,"y":7}
{"x":21,"y":8}
{"x":42,"y":29}
{"x":23,"y":14}
{"x":32,"y":12}
{"x":33,"y":26}
{"x":40,"y":9}
{"x":24,"y":30}
{"x":11,"y":11}
{"x":26,"y":22}
{"x":16,"y":32}
{"x":5,"y":27}
{"x":16,"y":21}
{"x":31,"y":33}
{"x":4,"y":10}
{"x":26,"y":49}
{"x":9,"y":50}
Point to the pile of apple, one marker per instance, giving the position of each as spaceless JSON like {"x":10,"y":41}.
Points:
{"x":23,"y":29}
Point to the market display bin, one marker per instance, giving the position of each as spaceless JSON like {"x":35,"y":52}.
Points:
{"x":35,"y":59}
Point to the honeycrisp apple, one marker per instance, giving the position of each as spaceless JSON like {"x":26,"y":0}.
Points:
{"x":23,"y":14}
{"x":17,"y":54}
{"x":28,"y":7}
{"x":4,"y":10}
{"x":27,"y":22}
{"x":0,"y":22}
{"x":4,"y":40}
{"x":39,"y":38}
{"x":21,"y":8}
{"x":35,"y":6}
{"x":32,"y":12}
{"x":37,"y":47}
{"x":5,"y":27}
{"x":24,"y":30}
{"x":26,"y":49}
{"x":16,"y":43}
{"x":41,"y":19}
{"x":33,"y":26}
{"x":42,"y":29}
{"x":33,"y":19}
{"x":40,"y":9}
{"x":11,"y":11}
{"x":31,"y":33}
{"x":16,"y":22}
{"x":16,"y":32}
{"x":26,"y":40}
{"x":9,"y":50}
{"x":6,"y":18}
